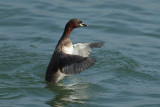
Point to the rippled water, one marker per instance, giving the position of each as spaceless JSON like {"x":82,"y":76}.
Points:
{"x":127,"y":71}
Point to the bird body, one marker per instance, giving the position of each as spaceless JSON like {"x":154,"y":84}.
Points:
{"x":67,"y":58}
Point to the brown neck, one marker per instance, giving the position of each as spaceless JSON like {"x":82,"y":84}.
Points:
{"x":67,"y":31}
{"x":65,"y":36}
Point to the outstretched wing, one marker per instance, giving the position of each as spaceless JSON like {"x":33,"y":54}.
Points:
{"x":73,"y":64}
{"x":84,"y":49}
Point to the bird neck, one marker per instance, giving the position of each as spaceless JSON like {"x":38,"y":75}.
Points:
{"x":65,"y":37}
{"x":67,"y":31}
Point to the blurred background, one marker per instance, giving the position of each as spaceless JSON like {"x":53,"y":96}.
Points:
{"x":127,"y":71}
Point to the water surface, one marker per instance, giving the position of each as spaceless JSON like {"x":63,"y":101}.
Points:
{"x":126,"y":73}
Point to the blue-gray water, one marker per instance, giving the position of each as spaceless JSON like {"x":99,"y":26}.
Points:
{"x":127,"y":71}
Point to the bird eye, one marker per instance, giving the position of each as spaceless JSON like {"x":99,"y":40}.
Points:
{"x":80,"y":22}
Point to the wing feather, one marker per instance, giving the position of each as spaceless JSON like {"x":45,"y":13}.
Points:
{"x":84,"y":49}
{"x":74,"y":64}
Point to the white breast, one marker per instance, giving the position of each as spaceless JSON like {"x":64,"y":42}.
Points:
{"x":68,"y":49}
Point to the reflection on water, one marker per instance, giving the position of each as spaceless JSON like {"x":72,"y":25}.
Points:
{"x":67,"y":93}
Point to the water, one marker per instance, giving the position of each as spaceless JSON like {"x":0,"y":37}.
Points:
{"x":126,"y":73}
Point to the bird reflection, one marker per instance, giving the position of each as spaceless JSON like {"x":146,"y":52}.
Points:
{"x":65,"y":94}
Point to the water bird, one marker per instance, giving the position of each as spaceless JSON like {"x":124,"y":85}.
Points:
{"x":70,"y":58}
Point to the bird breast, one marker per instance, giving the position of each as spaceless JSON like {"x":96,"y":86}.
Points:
{"x":68,"y":49}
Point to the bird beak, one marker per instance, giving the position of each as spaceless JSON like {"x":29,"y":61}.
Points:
{"x":82,"y":24}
